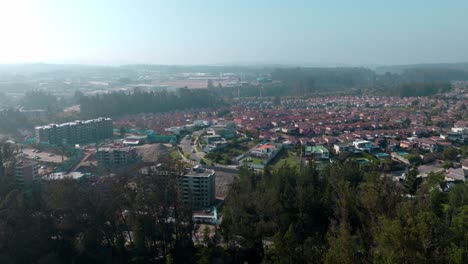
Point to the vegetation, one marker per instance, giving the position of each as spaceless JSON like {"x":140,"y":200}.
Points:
{"x":119,"y":103}
{"x":69,"y":221}
{"x":39,"y":99}
{"x":287,"y":157}
{"x":11,"y":121}
{"x":345,"y":214}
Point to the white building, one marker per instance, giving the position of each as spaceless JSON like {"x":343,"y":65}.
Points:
{"x":363,"y":145}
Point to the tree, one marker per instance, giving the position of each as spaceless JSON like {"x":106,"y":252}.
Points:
{"x":342,"y":246}
{"x":450,"y":154}
{"x":412,"y":182}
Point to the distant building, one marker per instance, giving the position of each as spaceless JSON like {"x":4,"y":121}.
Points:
{"x":198,"y":187}
{"x":162,"y":138}
{"x":26,"y":172}
{"x":343,"y":148}
{"x":266,"y":151}
{"x":317,"y":152}
{"x":465,"y":168}
{"x":134,"y":140}
{"x":363,"y":145}
{"x":77,"y":132}
{"x":211,"y":138}
{"x":34,"y":113}
{"x":75,"y":175}
{"x":115,"y":156}
{"x":224,"y":131}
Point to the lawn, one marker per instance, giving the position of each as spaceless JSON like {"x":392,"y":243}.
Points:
{"x":287,"y":157}
{"x":175,"y":154}
{"x":253,"y":160}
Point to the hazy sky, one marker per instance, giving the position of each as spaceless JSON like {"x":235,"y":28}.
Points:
{"x":237,"y":31}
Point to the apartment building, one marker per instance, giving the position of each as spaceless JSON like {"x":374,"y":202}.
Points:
{"x":115,"y":156}
{"x":198,"y":187}
{"x":77,"y":132}
{"x":26,"y":172}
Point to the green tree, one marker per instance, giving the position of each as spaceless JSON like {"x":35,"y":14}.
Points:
{"x":412,"y":181}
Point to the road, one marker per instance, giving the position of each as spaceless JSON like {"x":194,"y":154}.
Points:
{"x":187,"y":147}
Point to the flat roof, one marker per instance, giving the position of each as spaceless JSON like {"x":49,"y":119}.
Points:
{"x":99,"y":119}
{"x":200,"y":173}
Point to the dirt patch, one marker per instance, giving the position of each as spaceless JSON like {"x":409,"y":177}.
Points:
{"x":152,"y":153}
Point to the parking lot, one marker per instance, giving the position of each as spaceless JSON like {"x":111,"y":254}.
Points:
{"x":43,"y":156}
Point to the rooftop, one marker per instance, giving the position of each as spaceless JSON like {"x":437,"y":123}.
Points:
{"x":198,"y":171}
{"x":100,"y":119}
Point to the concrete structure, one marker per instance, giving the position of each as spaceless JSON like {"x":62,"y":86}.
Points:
{"x":198,"y":187}
{"x":75,"y":175}
{"x":26,"y":172}
{"x":115,"y":156}
{"x":134,"y":140}
{"x":77,"y":132}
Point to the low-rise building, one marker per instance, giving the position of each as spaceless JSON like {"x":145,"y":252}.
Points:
{"x":222,"y":131}
{"x":318,"y":152}
{"x":343,"y":148}
{"x":211,"y":138}
{"x":265,"y":151}
{"x":363,"y":145}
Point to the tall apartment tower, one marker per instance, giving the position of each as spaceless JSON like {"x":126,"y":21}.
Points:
{"x":198,"y":187}
{"x":26,"y":172}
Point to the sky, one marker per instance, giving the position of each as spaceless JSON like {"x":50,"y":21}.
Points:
{"x":315,"y":32}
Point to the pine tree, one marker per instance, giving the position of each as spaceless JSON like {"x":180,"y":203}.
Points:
{"x":412,"y":182}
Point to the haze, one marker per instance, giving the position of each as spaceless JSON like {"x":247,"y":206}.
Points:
{"x":222,"y":32}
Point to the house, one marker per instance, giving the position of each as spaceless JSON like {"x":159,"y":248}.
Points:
{"x":221,"y":130}
{"x":266,"y":151}
{"x":211,"y":138}
{"x":427,"y":144}
{"x":289,"y":129}
{"x":317,"y":152}
{"x":460,"y":127}
{"x":363,"y":145}
{"x":455,"y":175}
{"x":343,"y":148}
{"x":404,"y":144}
{"x":451,"y":136}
